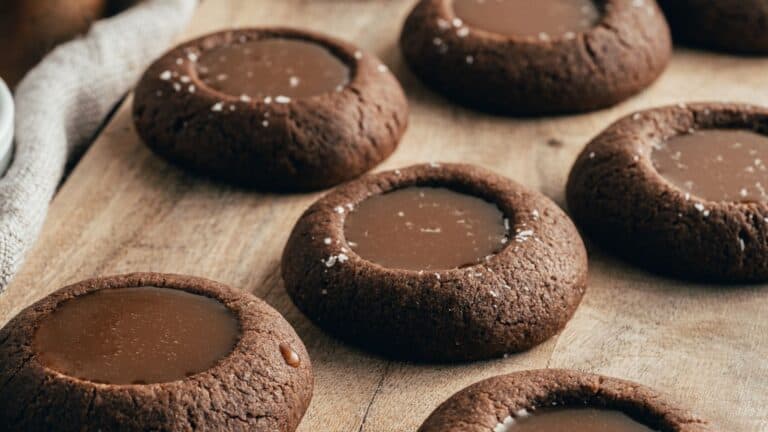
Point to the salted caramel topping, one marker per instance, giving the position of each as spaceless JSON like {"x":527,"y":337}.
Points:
{"x":716,"y":164}
{"x":541,"y":18}
{"x":278,"y":68}
{"x":571,"y":420}
{"x":136,"y":335}
{"x":425,"y":228}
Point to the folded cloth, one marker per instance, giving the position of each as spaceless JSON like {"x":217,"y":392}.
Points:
{"x":60,"y":105}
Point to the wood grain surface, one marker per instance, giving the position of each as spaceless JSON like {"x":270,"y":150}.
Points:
{"x":123,"y":210}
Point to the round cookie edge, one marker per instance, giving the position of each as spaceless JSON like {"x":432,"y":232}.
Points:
{"x":348,"y":295}
{"x":69,"y":402}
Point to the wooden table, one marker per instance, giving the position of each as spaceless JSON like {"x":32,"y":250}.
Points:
{"x":123,"y":210}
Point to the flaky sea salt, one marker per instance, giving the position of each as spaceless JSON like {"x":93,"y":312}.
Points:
{"x":505,"y":425}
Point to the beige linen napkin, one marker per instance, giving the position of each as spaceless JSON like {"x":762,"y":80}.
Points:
{"x":61,"y":103}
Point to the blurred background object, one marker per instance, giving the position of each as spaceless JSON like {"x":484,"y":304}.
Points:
{"x":62,"y":97}
{"x":735,"y":26}
{"x":31,"y":28}
{"x":6,"y":126}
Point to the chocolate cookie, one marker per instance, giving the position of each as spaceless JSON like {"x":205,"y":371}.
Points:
{"x":436,"y":262}
{"x":150,"y":351}
{"x":680,"y":189}
{"x":559,"y":400}
{"x":739,"y":26}
{"x":522,"y":57}
{"x":273,"y":108}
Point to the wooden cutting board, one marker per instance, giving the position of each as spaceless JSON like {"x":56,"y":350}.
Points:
{"x":123,"y":209}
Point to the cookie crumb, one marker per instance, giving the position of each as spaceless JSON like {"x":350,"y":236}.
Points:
{"x":554,"y":142}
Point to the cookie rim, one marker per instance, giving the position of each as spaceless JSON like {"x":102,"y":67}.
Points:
{"x":247,"y":309}
{"x":336,"y":47}
{"x":228,"y":297}
{"x":586,"y":66}
{"x":513,"y":199}
{"x":538,"y":388}
{"x":358,"y":147}
{"x":407,"y":177}
{"x":633,"y":151}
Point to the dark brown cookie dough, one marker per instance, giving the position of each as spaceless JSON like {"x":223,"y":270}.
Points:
{"x":509,"y":302}
{"x":270,"y":143}
{"x":618,"y":197}
{"x":486,"y":405}
{"x":739,"y":26}
{"x":621,"y":55}
{"x":255,"y":388}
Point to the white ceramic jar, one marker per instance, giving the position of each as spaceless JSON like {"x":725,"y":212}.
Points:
{"x":6,"y":126}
